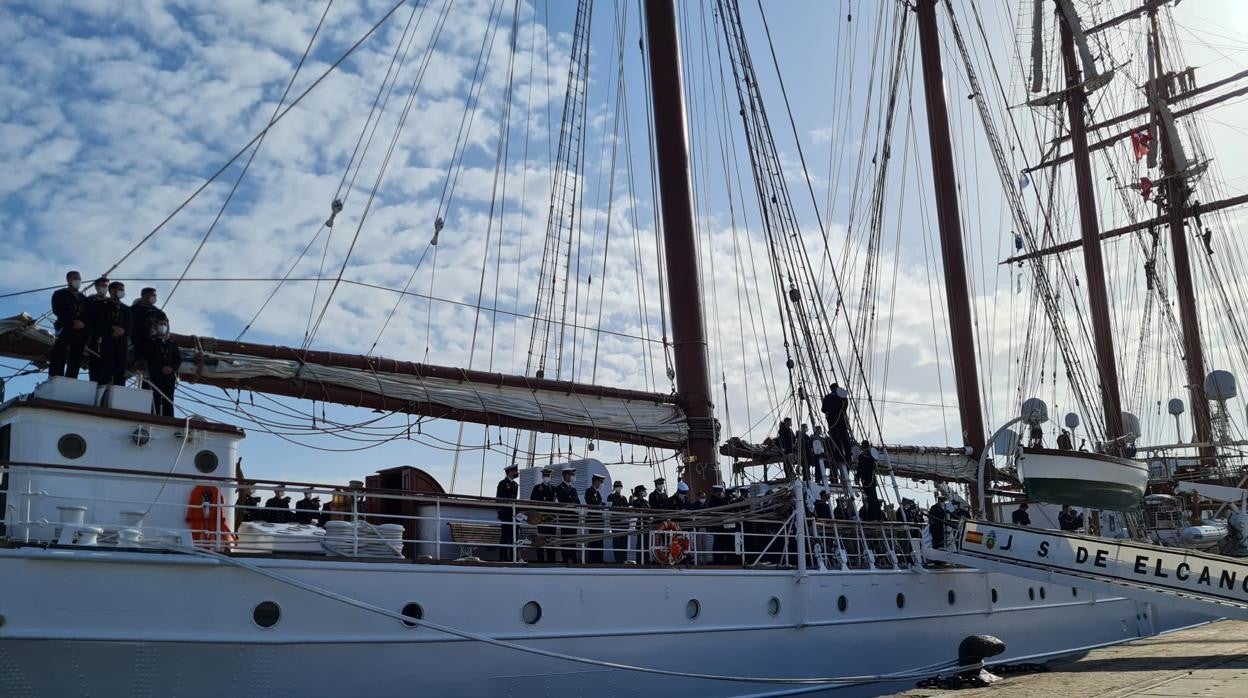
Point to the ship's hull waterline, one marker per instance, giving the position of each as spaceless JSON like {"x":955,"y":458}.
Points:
{"x":112,"y":623}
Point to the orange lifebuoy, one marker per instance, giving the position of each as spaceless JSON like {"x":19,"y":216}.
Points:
{"x":205,"y":527}
{"x":670,"y":545}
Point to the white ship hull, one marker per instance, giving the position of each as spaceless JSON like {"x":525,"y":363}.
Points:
{"x":113,"y":623}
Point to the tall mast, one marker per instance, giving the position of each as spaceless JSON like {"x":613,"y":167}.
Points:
{"x":684,"y":294}
{"x":1176,"y":200}
{"x":962,"y":333}
{"x":1094,"y":269}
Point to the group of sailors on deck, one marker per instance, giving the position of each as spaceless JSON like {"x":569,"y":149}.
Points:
{"x":105,"y":333}
{"x":565,"y":492}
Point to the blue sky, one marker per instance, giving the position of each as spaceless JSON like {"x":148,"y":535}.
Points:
{"x":111,"y":113}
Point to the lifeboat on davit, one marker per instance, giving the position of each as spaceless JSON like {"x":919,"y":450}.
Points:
{"x":1082,"y":479}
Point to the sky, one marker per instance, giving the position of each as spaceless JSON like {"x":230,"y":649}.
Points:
{"x":112,"y":114}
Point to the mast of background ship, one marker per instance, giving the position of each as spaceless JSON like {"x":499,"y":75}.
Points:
{"x":1094,"y":270}
{"x":961,"y":331}
{"x":1176,"y":199}
{"x":684,"y":294}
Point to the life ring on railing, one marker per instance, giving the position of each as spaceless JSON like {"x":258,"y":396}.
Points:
{"x":669,"y":545}
{"x":206,"y":516}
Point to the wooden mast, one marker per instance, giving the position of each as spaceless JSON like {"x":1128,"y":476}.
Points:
{"x":961,"y":330}
{"x":1094,"y":269}
{"x":684,"y":291}
{"x":1176,"y":201}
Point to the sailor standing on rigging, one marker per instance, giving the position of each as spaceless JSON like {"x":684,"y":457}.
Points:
{"x":508,"y":490}
{"x":544,"y":492}
{"x":565,"y":493}
{"x":69,"y":306}
{"x":835,"y":408}
{"x":594,"y":523}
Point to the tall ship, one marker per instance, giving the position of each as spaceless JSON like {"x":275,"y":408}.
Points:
{"x":140,"y":559}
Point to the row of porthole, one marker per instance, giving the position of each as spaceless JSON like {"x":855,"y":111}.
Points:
{"x":266,"y":614}
{"x":73,"y":447}
{"x":1031,"y":593}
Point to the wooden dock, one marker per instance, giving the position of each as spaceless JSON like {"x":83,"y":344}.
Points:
{"x":1209,"y":660}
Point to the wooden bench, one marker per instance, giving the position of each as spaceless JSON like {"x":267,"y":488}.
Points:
{"x":470,"y":535}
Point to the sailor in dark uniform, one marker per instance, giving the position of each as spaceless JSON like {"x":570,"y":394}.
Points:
{"x":544,"y":492}
{"x":245,"y":507}
{"x":721,"y":534}
{"x":277,"y":508}
{"x":659,"y":498}
{"x":681,"y":500}
{"x":143,"y":319}
{"x":508,"y":491}
{"x":69,"y":307}
{"x":594,"y":523}
{"x":307,"y":509}
{"x":565,"y":493}
{"x":163,"y":358}
{"x":617,"y":500}
{"x":95,"y":310}
{"x":114,"y":332}
{"x":638,"y":501}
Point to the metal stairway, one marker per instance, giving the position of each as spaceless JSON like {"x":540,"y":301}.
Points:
{"x":1214,"y":585}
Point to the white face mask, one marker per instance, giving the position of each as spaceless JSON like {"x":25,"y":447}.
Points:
{"x":162,"y":329}
{"x":101,"y":290}
{"x":152,"y":301}
{"x":121,"y":294}
{"x":619,"y":490}
{"x":545,"y":479}
{"x":701,"y":500}
{"x":75,"y":283}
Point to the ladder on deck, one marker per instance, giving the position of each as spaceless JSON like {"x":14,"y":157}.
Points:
{"x":1214,"y":585}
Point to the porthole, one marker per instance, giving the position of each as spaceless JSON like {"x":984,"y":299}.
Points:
{"x":532,"y":612}
{"x":1031,"y":593}
{"x":693,"y":609}
{"x":773,"y":606}
{"x":413,"y":610}
{"x":994,"y":595}
{"x":266,"y":614}
{"x":1042,"y":594}
{"x":953,"y":598}
{"x":842,"y":603}
{"x":71,"y":446}
{"x":901,"y":601}
{"x":206,"y":461}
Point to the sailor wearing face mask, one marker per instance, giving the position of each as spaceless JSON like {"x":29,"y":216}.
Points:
{"x":594,"y":522}
{"x":114,"y":332}
{"x":163,"y":358}
{"x":69,"y":306}
{"x":95,"y":311}
{"x":617,"y":500}
{"x":659,"y":498}
{"x":565,"y":493}
{"x":143,"y":320}
{"x":544,"y":492}
{"x":508,"y":490}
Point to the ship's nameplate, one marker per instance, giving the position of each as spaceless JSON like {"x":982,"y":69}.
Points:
{"x":1177,"y":569}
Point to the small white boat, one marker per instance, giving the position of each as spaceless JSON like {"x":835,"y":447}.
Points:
{"x":1082,"y":479}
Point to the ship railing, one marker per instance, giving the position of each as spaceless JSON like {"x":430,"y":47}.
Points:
{"x":155,"y":511}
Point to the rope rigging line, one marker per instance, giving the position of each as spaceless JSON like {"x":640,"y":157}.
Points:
{"x":382,"y":169}
{"x":252,"y":156}
{"x":221,"y":170}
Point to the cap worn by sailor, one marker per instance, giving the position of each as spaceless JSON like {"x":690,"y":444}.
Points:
{"x":511,"y":467}
{"x":717,"y":487}
{"x":596,"y":477}
{"x":565,"y":471}
{"x":617,"y":483}
{"x":682,"y":487}
{"x":547,"y":471}
{"x":639,"y":489}
{"x":659,"y":481}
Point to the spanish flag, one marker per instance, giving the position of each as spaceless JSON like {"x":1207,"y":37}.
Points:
{"x":976,"y":537}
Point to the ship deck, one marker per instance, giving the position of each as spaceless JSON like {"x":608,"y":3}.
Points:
{"x":1206,"y":660}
